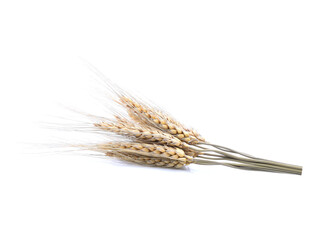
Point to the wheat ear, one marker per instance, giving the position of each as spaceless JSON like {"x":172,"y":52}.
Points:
{"x":143,"y":114}
{"x":140,"y":133}
{"x":144,"y":149}
{"x":144,"y":160}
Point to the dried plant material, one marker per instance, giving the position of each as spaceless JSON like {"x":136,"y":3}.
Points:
{"x":151,"y":136}
{"x":145,"y":149}
{"x":140,"y":133}
{"x":153,"y":161}
{"x":145,"y":115}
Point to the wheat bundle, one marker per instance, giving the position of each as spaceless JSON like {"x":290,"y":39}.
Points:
{"x":153,"y":137}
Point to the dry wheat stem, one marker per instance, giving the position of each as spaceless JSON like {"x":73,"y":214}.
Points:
{"x":244,"y":166}
{"x":290,"y":168}
{"x":222,"y":155}
{"x":225,"y":149}
{"x":249,"y":159}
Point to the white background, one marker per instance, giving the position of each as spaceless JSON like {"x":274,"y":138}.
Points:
{"x":246,"y":74}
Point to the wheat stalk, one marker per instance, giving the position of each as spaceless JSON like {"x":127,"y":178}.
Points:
{"x":153,"y":137}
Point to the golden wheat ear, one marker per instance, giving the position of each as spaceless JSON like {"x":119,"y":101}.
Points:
{"x":139,"y":133}
{"x":145,"y":160}
{"x":149,"y":135}
{"x":147,"y":115}
{"x":141,"y":151}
